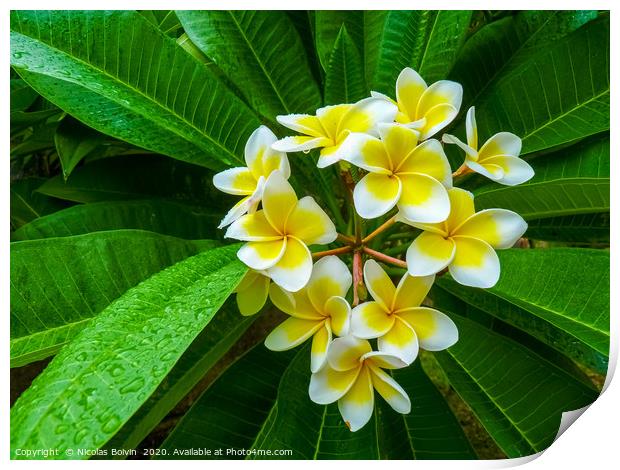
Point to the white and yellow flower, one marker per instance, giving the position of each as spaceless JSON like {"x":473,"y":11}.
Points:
{"x":401,"y":173}
{"x":352,"y":373}
{"x":278,"y":235}
{"x":249,"y":181}
{"x":498,"y":159}
{"x":465,"y":242}
{"x":318,"y":310}
{"x":252,"y":292}
{"x":426,"y":109}
{"x":396,"y":318}
{"x":331,"y":125}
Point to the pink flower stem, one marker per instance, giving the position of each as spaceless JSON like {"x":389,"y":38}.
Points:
{"x":385,"y":258}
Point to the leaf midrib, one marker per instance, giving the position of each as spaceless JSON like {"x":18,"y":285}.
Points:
{"x":147,"y":98}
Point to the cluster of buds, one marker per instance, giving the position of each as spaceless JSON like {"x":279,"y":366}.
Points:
{"x":406,"y":172}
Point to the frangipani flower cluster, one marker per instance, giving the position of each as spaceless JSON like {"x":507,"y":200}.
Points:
{"x":402,"y":174}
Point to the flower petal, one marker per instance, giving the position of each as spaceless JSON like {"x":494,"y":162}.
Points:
{"x":437,"y":118}
{"x":295,"y":304}
{"x":237,"y":181}
{"x":428,"y":158}
{"x":471,"y":128}
{"x":279,"y":200}
{"x":374,"y":195}
{"x":291,"y":332}
{"x":367,"y":152}
{"x":253,"y":228}
{"x":330,"y":117}
{"x":469,"y":151}
{"x":423,"y":199}
{"x":429,"y":253}
{"x":330,"y":277}
{"x":515,"y":169}
{"x":309,"y":223}
{"x":384,"y":360}
{"x":376,"y":94}
{"x":500,"y":228}
{"x":369,"y":320}
{"x":364,"y":115}
{"x":300,"y":143}
{"x":475,"y":263}
{"x":441,"y":93}
{"x":236,"y":211}
{"x":390,"y":390}
{"x":400,"y":341}
{"x":502,"y":143}
{"x":435,"y":330}
{"x":399,"y":142}
{"x":332,"y":153}
{"x":345,"y":353}
{"x":357,"y":405}
{"x":461,"y":207}
{"x":303,"y":123}
{"x":379,"y":284}
{"x":259,"y":156}
{"x":493,"y":172}
{"x":252,"y":293}
{"x":411,"y":291}
{"x":293,"y":270}
{"x":320,"y":343}
{"x":339,"y":311}
{"x":328,"y":385}
{"x":409,"y":89}
{"x":262,"y":255}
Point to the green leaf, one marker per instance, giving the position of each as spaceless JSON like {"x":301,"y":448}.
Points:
{"x":208,"y":348}
{"x":517,"y":395}
{"x":27,"y":204}
{"x":157,"y":215}
{"x":98,"y":381}
{"x":573,"y":181}
{"x":558,"y":295}
{"x":74,"y":142}
{"x":344,"y":81}
{"x":22,"y":96}
{"x":122,"y":178}
{"x":425,"y":40}
{"x":506,"y":45}
{"x":232,"y":411}
{"x":59,"y":284}
{"x":133,"y":83}
{"x":559,"y":95}
{"x":582,"y":228}
{"x":261,"y":53}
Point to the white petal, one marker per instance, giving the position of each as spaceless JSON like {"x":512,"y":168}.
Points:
{"x":429,"y":253}
{"x":384,"y":360}
{"x":493,"y":172}
{"x":236,"y":212}
{"x":345,"y":353}
{"x":252,"y":296}
{"x":320,"y":342}
{"x":357,"y":405}
{"x":309,"y":223}
{"x":475,"y":263}
{"x":502,"y":143}
{"x":262,"y":255}
{"x":300,"y":143}
{"x":236,"y":181}
{"x":423,"y":199}
{"x":366,"y":114}
{"x":330,"y":277}
{"x":450,"y":139}
{"x":292,"y":271}
{"x":369,"y":320}
{"x":291,"y":333}
{"x":515,"y":169}
{"x":303,"y":123}
{"x":328,"y":385}
{"x":379,"y":284}
{"x":471,"y":128}
{"x":500,"y":228}
{"x":400,"y":341}
{"x":435,"y":330}
{"x":374,"y":195}
{"x":279,"y":200}
{"x":390,"y":390}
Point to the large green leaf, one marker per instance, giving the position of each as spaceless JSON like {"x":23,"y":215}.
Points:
{"x":426,"y":40}
{"x":98,"y":381}
{"x":260,"y":52}
{"x":573,"y":181}
{"x":132,"y":82}
{"x":59,"y":284}
{"x":215,"y":340}
{"x":246,"y":409}
{"x":344,"y":80}
{"x":156,"y":215}
{"x":582,"y":228}
{"x":126,"y":177}
{"x":505,"y":45}
{"x":517,"y":395}
{"x":558,"y":95}
{"x":22,"y":96}
{"x":558,"y":295}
